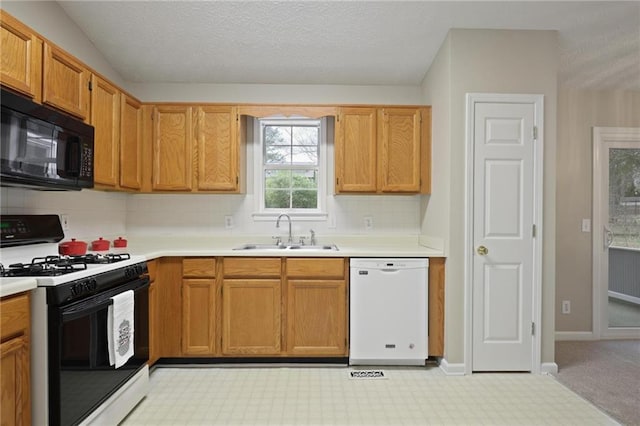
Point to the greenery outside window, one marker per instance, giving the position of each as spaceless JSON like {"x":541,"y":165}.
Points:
{"x":292,"y":166}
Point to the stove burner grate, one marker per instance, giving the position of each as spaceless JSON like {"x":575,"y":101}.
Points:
{"x":59,"y":265}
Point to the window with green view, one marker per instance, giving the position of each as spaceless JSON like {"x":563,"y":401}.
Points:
{"x":291,"y":164}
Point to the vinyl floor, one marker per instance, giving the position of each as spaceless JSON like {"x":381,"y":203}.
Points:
{"x":328,"y":396}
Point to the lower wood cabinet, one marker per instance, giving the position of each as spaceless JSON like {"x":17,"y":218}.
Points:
{"x":317,"y":317}
{"x":251,"y":312}
{"x":262,"y":307}
{"x":15,"y":360}
{"x":199,"y":303}
{"x":198,"y":316}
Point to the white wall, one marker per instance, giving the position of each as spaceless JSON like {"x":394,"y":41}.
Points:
{"x":578,"y":112}
{"x":276,"y":93}
{"x":50,"y":20}
{"x":501,"y":62}
{"x":92,"y":214}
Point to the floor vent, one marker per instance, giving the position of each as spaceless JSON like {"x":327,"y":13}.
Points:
{"x":367,"y":374}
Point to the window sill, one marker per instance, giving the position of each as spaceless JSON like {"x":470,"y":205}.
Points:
{"x":297,"y":216}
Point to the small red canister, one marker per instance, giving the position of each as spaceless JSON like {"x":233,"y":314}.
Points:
{"x":100,"y":245}
{"x":120,"y":242}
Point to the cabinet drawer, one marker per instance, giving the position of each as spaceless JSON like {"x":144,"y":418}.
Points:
{"x":315,"y":267}
{"x":15,"y":315}
{"x":252,"y":267}
{"x":199,"y":267}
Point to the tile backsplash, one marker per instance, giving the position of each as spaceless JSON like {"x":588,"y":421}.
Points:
{"x":96,"y":213}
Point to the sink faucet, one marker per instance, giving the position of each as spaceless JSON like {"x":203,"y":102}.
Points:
{"x":278,"y":225}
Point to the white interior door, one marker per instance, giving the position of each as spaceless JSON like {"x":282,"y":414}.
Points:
{"x":616,"y":227}
{"x":504,"y":205}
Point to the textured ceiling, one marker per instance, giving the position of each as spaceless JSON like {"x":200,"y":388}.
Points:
{"x":368,"y":43}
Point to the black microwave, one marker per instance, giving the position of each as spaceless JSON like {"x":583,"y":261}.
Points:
{"x":42,"y":148}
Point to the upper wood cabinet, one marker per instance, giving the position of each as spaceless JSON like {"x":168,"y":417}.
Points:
{"x":172,"y":148}
{"x":399,"y":160}
{"x":217,"y":150}
{"x":380,"y":150}
{"x":66,"y":82}
{"x":105,"y":118}
{"x":21,"y":57}
{"x":130,"y":143}
{"x":355,"y":150}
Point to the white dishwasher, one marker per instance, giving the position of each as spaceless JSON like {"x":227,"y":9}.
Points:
{"x":388,"y":311}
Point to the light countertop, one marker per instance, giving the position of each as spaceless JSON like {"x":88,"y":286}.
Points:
{"x":9,"y":286}
{"x":351,"y":246}
{"x":185,"y":246}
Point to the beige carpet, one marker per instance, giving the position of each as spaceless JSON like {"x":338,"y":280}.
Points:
{"x":605,"y":372}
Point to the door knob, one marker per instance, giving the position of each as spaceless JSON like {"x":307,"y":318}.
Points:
{"x":482,"y":251}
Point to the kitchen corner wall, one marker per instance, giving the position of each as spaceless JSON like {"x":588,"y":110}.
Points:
{"x":486,"y":61}
{"x":578,"y":112}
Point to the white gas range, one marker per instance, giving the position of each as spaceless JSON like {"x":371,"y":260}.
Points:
{"x":72,"y":379}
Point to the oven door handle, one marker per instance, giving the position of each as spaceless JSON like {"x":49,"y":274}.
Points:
{"x":101,"y":301}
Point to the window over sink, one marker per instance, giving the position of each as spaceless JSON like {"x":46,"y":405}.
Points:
{"x":290,"y":167}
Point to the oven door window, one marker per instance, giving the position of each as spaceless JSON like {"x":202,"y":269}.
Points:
{"x":83,"y":372}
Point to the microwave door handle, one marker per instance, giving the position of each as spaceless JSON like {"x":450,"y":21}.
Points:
{"x":72,"y":157}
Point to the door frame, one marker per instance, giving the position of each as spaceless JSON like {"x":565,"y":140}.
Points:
{"x":538,"y":102}
{"x":601,"y":329}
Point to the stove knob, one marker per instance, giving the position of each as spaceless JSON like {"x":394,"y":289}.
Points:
{"x":93,"y":284}
{"x":128,"y":273}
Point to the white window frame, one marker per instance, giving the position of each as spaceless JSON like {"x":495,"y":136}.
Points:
{"x":260,"y":212}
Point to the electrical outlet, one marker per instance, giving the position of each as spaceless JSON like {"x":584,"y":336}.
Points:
{"x":368,"y":223}
{"x":566,"y":306}
{"x":228,"y":221}
{"x":586,"y":225}
{"x":64,"y":219}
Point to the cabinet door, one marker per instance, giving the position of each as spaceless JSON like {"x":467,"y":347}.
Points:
{"x":399,"y":162}
{"x":105,"y":118}
{"x":198,"y":316}
{"x":316,"y":317}
{"x":355,"y":150}
{"x":217,"y":150}
{"x":66,"y":82}
{"x":130,"y":143}
{"x":172,"y":148}
{"x":14,"y":382}
{"x":21,"y":56}
{"x":251,"y":317}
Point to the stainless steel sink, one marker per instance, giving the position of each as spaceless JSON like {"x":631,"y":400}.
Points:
{"x":320,"y":247}
{"x":315,"y":247}
{"x":253,"y":246}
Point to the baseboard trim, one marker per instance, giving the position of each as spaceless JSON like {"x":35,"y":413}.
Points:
{"x":451,"y":369}
{"x":549,"y":368}
{"x":575,"y":335}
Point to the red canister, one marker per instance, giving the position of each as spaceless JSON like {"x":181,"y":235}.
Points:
{"x":100,"y":245}
{"x":120,"y":242}
{"x":72,"y":248}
